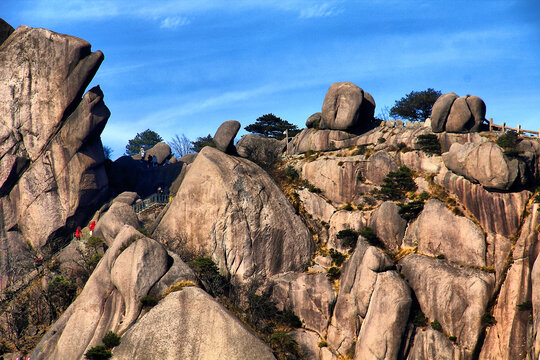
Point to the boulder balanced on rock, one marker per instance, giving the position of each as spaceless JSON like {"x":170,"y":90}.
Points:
{"x":457,"y":114}
{"x":225,"y":134}
{"x":346,"y":107}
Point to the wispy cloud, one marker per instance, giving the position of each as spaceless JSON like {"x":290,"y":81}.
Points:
{"x":173,"y":22}
{"x":322,"y":10}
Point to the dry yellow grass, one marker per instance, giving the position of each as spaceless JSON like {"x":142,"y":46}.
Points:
{"x":178,"y":286}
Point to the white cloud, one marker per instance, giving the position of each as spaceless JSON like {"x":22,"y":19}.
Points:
{"x":322,"y":10}
{"x":173,"y":22}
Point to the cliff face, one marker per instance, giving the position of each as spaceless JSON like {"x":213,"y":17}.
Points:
{"x":338,"y":251}
{"x":51,"y":157}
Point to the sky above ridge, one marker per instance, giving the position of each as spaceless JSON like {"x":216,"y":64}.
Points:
{"x":184,"y":67}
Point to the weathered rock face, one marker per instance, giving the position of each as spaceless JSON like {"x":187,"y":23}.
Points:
{"x":161,"y":151}
{"x":455,"y":297}
{"x":309,"y":296}
{"x":437,"y":231}
{"x":262,"y":151}
{"x":432,"y":344}
{"x":225,"y":134}
{"x":457,"y":114}
{"x":498,"y":213}
{"x":51,"y":169}
{"x":485,"y":164}
{"x":379,"y":165}
{"x":336,"y":177}
{"x":200,"y":329}
{"x":120,"y":213}
{"x":347,"y":107}
{"x":389,"y":226}
{"x":317,"y":140}
{"x":315,"y":205}
{"x":110,"y":300}
{"x":231,"y":210}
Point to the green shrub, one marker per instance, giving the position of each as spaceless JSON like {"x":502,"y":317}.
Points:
{"x":452,"y":338}
{"x":99,"y":352}
{"x":396,"y":184}
{"x":436,"y":325}
{"x":488,"y":319}
{"x":401,"y":146}
{"x":333,"y":273}
{"x":290,"y":318}
{"x":525,"y":306}
{"x":208,"y":273}
{"x":111,"y":340}
{"x":144,"y":232}
{"x":148,"y":301}
{"x":283,"y":344}
{"x":314,"y":189}
{"x":94,"y":242}
{"x":322,"y":343}
{"x":291,"y":173}
{"x":441,"y":256}
{"x":261,"y":308}
{"x":337,"y":257}
{"x":371,"y":236}
{"x":411,"y":210}
{"x":429,"y":143}
{"x":348,"y":237}
{"x":420,"y":319}
{"x":424,"y":196}
{"x":60,"y":293}
{"x":360,"y":150}
{"x":348,"y":207}
{"x":512,"y":153}
{"x":381,"y":140}
{"x":537,"y":198}
{"x":360,"y":177}
{"x":93,"y":261}
{"x":508,"y":140}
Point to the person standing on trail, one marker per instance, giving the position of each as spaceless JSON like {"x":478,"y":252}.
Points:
{"x":92,"y":227}
{"x":143,"y":153}
{"x":78,"y":233}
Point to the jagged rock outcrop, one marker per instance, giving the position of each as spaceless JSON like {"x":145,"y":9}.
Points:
{"x":51,"y":168}
{"x":456,"y":297}
{"x":230,"y":209}
{"x":110,"y":300}
{"x":487,"y":165}
{"x":432,"y":344}
{"x":378,"y":167}
{"x":358,"y":280}
{"x":437,"y":231}
{"x":457,"y":114}
{"x":318,"y":140}
{"x":315,"y":205}
{"x":200,"y":329}
{"x":262,"y":151}
{"x":309,"y":296}
{"x":347,"y":107}
{"x":225,"y":134}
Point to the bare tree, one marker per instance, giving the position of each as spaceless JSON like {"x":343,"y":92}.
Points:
{"x":384,"y":114}
{"x":180,"y":146}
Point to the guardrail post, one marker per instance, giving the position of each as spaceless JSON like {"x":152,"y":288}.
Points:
{"x":519,"y":129}
{"x":538,"y":132}
{"x":503,"y":127}
{"x":490,"y":124}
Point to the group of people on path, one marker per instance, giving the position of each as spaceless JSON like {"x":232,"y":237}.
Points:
{"x":79,"y":233}
{"x":151,"y":161}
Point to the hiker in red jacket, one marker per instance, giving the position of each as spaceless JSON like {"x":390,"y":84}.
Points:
{"x":92,"y":227}
{"x":78,"y":233}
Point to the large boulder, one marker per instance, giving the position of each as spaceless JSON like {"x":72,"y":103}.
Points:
{"x":437,"y":231}
{"x":379,"y":165}
{"x":262,"y":151}
{"x":314,"y":121}
{"x":113,"y":220}
{"x":231,"y":210}
{"x":319,"y":140}
{"x":440,"y":111}
{"x":347,"y":107}
{"x":161,"y":151}
{"x":201,"y":328}
{"x":388,"y":225}
{"x":457,"y":297}
{"x":458,"y":114}
{"x":485,"y":164}
{"x":225,"y":134}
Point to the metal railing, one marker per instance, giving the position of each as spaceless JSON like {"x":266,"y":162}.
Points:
{"x":156,"y":198}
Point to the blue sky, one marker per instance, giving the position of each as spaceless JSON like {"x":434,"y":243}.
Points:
{"x":184,"y":67}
